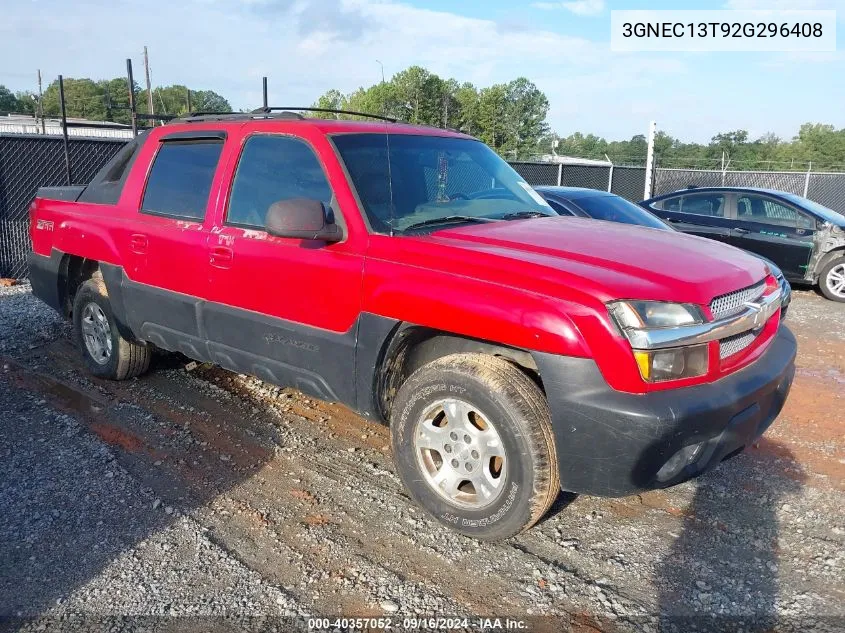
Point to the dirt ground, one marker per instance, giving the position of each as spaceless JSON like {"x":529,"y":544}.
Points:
{"x":204,"y":493}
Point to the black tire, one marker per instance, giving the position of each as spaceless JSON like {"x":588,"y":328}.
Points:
{"x":838,"y":262}
{"x":126,"y":358}
{"x":520,"y":416}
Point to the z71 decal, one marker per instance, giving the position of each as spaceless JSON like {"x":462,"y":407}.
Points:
{"x":44,"y":225}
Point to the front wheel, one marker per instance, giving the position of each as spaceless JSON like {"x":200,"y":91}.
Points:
{"x":832,"y":280}
{"x":473,"y":444}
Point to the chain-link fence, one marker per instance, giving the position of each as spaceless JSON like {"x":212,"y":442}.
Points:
{"x":628,"y":182}
{"x":625,"y":181}
{"x":27,"y":163}
{"x":537,"y":174}
{"x":827,"y":189}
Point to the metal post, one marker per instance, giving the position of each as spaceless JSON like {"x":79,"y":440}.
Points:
{"x":132,"y":111}
{"x":559,"y":174}
{"x":264,"y":90}
{"x":609,"y":175}
{"x":649,"y":161}
{"x":807,"y":179}
{"x":64,"y":130}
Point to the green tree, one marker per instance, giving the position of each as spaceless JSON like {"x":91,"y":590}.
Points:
{"x":27,"y":102}
{"x":511,"y":117}
{"x":108,"y":100}
{"x":468,"y":101}
{"x":8,"y":101}
{"x":84,"y":98}
{"x":527,"y":108}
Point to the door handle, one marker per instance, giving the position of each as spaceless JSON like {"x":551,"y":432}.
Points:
{"x":221,"y":256}
{"x":138,"y":243}
{"x":742,"y":231}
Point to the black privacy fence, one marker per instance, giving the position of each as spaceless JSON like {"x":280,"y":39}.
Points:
{"x":28,"y":162}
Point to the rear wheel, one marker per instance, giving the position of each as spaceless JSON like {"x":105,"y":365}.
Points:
{"x":105,"y":352}
{"x":832,"y":280}
{"x":473,"y":444}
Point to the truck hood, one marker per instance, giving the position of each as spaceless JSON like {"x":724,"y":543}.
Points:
{"x":604,"y":259}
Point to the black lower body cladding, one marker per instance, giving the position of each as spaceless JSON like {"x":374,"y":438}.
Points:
{"x":611,"y":443}
{"x":46,"y":277}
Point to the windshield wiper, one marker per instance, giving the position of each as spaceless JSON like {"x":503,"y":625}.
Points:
{"x":522,"y":215}
{"x":447,"y":219}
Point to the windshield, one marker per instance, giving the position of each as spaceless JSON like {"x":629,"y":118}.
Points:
{"x":616,"y":209}
{"x":826,"y":214}
{"x":432,"y":177}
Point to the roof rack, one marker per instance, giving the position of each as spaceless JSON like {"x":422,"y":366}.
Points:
{"x":270,"y":110}
{"x":268,"y":113}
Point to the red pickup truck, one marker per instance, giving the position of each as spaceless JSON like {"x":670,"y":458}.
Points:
{"x":410,"y":274}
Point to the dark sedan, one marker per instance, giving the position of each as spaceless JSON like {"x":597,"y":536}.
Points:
{"x":601,"y":205}
{"x":804,"y":238}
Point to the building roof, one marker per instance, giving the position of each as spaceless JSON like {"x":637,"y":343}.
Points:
{"x":28,"y":124}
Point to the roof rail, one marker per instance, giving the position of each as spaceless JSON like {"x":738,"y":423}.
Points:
{"x":209,"y":113}
{"x":270,"y":110}
{"x":198,"y":117}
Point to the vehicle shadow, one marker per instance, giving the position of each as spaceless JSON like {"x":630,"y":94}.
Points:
{"x":722,"y":571}
{"x":89,"y":469}
{"x":561,"y":503}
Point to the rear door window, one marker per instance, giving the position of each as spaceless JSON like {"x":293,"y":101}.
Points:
{"x":180,"y":179}
{"x":751,"y":208}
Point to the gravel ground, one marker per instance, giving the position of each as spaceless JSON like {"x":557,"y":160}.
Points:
{"x":207,"y":493}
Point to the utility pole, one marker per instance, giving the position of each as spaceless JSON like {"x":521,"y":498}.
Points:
{"x":41,"y":105}
{"x":264,"y":92}
{"x":188,"y":90}
{"x":649,"y":161}
{"x":150,"y":105}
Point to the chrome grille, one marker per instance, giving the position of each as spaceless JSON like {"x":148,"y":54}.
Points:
{"x":735,"y":344}
{"x":732,"y":303}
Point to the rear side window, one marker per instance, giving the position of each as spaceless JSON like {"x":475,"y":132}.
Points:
{"x":180,"y":179}
{"x":712,"y":205}
{"x":107,"y":185}
{"x":271,"y":169}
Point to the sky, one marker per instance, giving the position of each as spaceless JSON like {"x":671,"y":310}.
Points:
{"x":306,"y":47}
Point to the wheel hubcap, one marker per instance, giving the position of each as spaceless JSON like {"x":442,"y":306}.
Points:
{"x":460,"y":453}
{"x":836,"y":280}
{"x":96,"y":333}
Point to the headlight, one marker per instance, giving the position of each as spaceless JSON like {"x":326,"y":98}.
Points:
{"x":673,"y":363}
{"x":653,"y":314}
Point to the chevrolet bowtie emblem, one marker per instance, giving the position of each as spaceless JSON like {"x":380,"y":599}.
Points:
{"x":757,"y":315}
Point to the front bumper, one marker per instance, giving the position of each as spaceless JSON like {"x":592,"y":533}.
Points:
{"x":611,"y":443}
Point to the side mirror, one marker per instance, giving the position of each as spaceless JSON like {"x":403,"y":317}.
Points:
{"x":304,"y":219}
